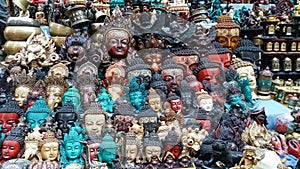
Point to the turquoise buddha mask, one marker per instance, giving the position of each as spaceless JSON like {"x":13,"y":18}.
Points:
{"x":137,"y":95}
{"x":108,"y":151}
{"x":72,"y":95}
{"x":37,"y":113}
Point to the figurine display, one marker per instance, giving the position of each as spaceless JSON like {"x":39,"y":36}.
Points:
{"x":149,"y":84}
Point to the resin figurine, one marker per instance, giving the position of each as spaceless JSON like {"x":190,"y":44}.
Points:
{"x":227,"y":32}
{"x":23,"y":86}
{"x":108,"y":151}
{"x":13,"y":144}
{"x":123,"y":116}
{"x":71,"y":147}
{"x":54,"y":88}
{"x":106,"y":103}
{"x":36,"y":115}
{"x":9,"y":115}
{"x":66,"y":117}
{"x":93,"y":119}
{"x":31,"y":144}
{"x":137,"y":95}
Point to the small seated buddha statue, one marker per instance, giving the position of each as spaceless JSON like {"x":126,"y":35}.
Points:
{"x":72,"y":147}
{"x":40,"y":16}
{"x":13,"y":144}
{"x":108,"y":151}
{"x":9,"y":115}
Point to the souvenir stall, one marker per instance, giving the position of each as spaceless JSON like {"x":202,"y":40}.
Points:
{"x":150,"y":84}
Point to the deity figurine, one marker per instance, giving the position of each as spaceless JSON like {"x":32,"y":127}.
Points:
{"x":72,"y":147}
{"x":31,"y":144}
{"x":205,"y":101}
{"x":115,"y":37}
{"x":189,"y":102}
{"x":153,"y":57}
{"x":13,"y":144}
{"x":108,"y":151}
{"x":152,"y":146}
{"x":48,"y":151}
{"x":59,"y":70}
{"x":106,"y":102}
{"x":172,"y":73}
{"x":171,"y":143}
{"x":40,"y":16}
{"x":208,"y":71}
{"x":155,"y":102}
{"x":123,"y":116}
{"x":137,"y":129}
{"x":187,"y":58}
{"x":227,"y":32}
{"x":36,"y":115}
{"x":9,"y":115}
{"x":66,"y":117}
{"x":192,"y":140}
{"x":23,"y":86}
{"x":141,"y":71}
{"x":86,"y":86}
{"x":148,"y":118}
{"x":176,"y":103}
{"x":133,"y":150}
{"x":54,"y":89}
{"x":93,"y":119}
{"x":116,"y":88}
{"x":72,"y":94}
{"x":93,"y":144}
{"x":245,"y":70}
{"x":137,"y":95}
{"x":220,"y":55}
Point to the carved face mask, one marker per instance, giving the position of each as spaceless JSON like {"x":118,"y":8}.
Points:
{"x":176,"y":105}
{"x":122,"y":123}
{"x":94,"y":151}
{"x":210,"y":75}
{"x":7,"y":120}
{"x":36,"y":119}
{"x":54,"y":96}
{"x":151,"y":151}
{"x":50,"y":151}
{"x":224,"y":59}
{"x":10,"y":149}
{"x":93,"y":123}
{"x":117,"y":43}
{"x":65,"y":121}
{"x":21,"y":94}
{"x":173,"y":77}
{"x":31,"y":149}
{"x":131,"y":152}
{"x":74,"y":150}
{"x":189,"y":63}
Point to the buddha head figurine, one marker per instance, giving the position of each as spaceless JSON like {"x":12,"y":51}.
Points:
{"x":71,"y":147}
{"x":175,"y":102}
{"x":171,"y":143}
{"x":188,"y":97}
{"x":247,"y":51}
{"x":155,"y":102}
{"x":208,"y":71}
{"x":137,"y":95}
{"x":31,"y":143}
{"x":94,"y":118}
{"x":205,"y":101}
{"x":23,"y":86}
{"x":36,"y":115}
{"x":220,"y":55}
{"x":72,"y":94}
{"x":49,"y":146}
{"x":106,"y":102}
{"x":172,"y":73}
{"x":188,"y":58}
{"x":13,"y":144}
{"x":148,"y":118}
{"x":86,"y":86}
{"x":133,"y":147}
{"x":123,"y":116}
{"x":140,"y":70}
{"x":153,"y":57}
{"x":157,"y":82}
{"x":108,"y":151}
{"x":228,"y":33}
{"x":245,"y":69}
{"x":152,"y":146}
{"x":9,"y":115}
{"x":66,"y":117}
{"x":55,"y":88}
{"x":93,"y":142}
{"x":115,"y":36}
